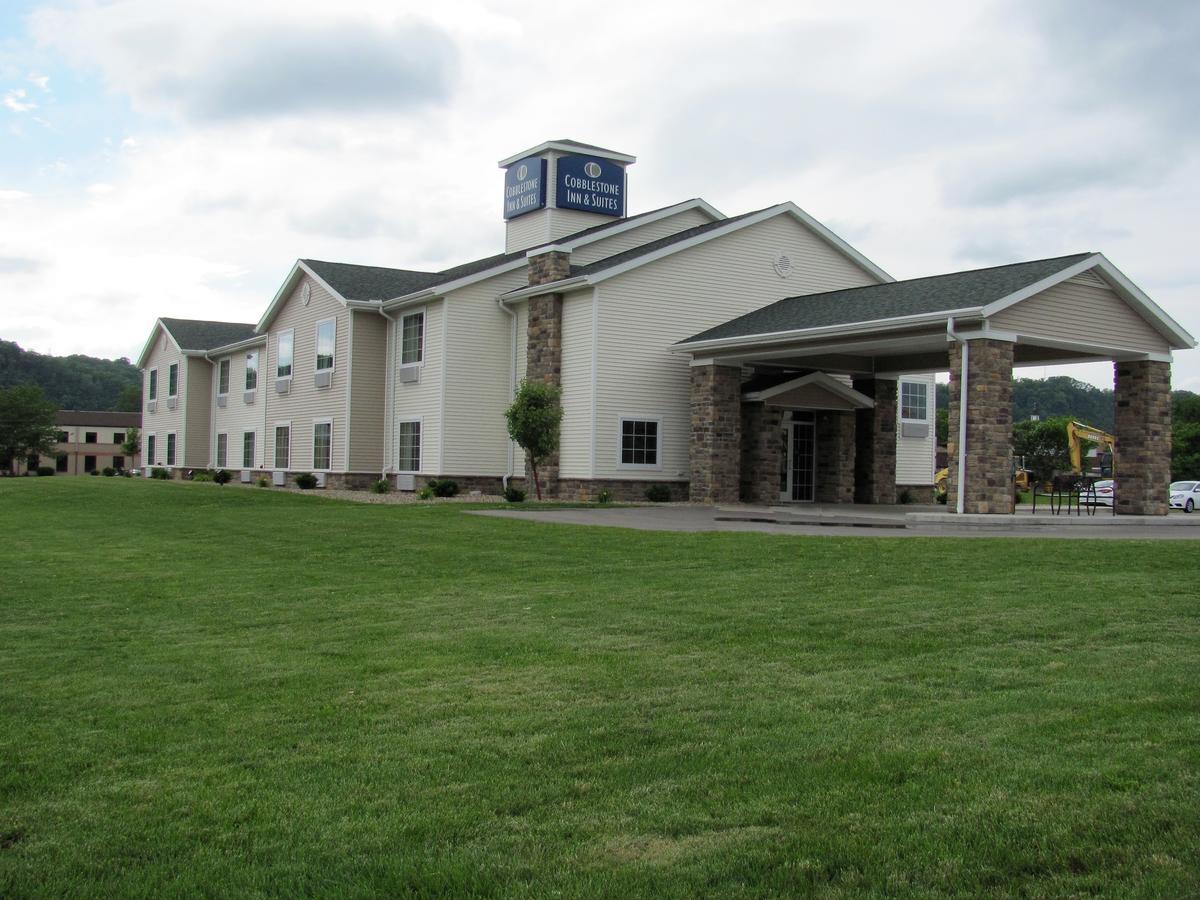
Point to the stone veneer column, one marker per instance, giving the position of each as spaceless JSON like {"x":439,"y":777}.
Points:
{"x":875,"y":443}
{"x":543,"y":343}
{"x":1142,"y":461}
{"x":715,"y":452}
{"x":836,"y":457}
{"x":989,"y":427}
{"x":762,"y":445}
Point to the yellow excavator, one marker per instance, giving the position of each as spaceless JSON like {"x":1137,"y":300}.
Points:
{"x":1077,"y":433}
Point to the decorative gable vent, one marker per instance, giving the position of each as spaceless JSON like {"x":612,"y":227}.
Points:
{"x":782,"y":265}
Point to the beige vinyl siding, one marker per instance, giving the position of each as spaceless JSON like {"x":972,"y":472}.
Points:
{"x":197,"y":413}
{"x":576,"y":434}
{"x":367,"y":391}
{"x":420,"y":399}
{"x":645,"y":311}
{"x":1080,"y":310}
{"x":478,"y":366}
{"x":306,"y":403}
{"x":643,"y":234}
{"x":164,"y":420}
{"x":238,"y":416}
{"x":915,"y":456}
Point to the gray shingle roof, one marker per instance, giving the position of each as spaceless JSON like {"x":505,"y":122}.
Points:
{"x":931,"y":294}
{"x":197,"y":334}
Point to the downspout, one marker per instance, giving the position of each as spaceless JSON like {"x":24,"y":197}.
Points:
{"x":964,"y":360}
{"x":389,"y":414}
{"x":512,"y":382}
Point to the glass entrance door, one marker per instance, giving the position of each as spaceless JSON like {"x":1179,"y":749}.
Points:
{"x":798,"y":460}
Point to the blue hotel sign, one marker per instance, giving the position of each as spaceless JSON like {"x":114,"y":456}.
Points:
{"x":524,"y":186}
{"x":590,"y":184}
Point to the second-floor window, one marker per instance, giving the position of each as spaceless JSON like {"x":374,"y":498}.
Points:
{"x":252,"y":370}
{"x":223,"y":376}
{"x":412,"y":339}
{"x":283,"y":354}
{"x":326,"y":338}
{"x":173,"y":380}
{"x":89,"y":437}
{"x":152,"y":393}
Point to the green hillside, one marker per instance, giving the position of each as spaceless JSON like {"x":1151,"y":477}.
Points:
{"x":73,"y":382}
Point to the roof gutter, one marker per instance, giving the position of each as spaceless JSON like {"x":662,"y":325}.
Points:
{"x":512,"y":384}
{"x":553,"y":287}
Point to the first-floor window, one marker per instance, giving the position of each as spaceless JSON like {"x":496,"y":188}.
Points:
{"x":118,"y":463}
{"x":60,"y":463}
{"x":150,"y":448}
{"x":409,"y":446}
{"x":222,"y":450}
{"x":248,"y":450}
{"x":639,"y":442}
{"x":283,"y":446}
{"x":913,"y":400}
{"x":89,"y":464}
{"x":171,"y":449}
{"x":322,"y":444}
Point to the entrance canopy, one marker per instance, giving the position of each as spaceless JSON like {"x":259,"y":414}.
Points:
{"x":1078,"y":308}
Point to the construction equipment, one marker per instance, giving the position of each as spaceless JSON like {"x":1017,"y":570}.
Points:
{"x":1021,"y":476}
{"x":1077,"y":433}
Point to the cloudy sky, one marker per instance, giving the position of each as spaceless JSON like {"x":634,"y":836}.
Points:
{"x":163,"y":158}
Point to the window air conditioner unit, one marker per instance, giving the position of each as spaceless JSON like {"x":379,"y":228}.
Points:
{"x":406,"y":482}
{"x":279,"y":479}
{"x":248,"y":396}
{"x":146,"y":469}
{"x":245,"y":476}
{"x":283,"y":385}
{"x":151,"y":406}
{"x":320,"y":476}
{"x":322,"y":379}
{"x":408,"y":374}
{"x":221,"y":400}
{"x":172,"y":402}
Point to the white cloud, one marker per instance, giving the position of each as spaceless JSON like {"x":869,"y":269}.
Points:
{"x":11,"y":196}
{"x":100,"y":189}
{"x":15,"y":100}
{"x":42,"y":81}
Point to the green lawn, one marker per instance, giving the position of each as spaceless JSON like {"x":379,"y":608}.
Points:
{"x":243,"y":692}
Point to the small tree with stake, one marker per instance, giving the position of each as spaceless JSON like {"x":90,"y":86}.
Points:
{"x":26,"y":424}
{"x":533,"y":423}
{"x":133,"y":442}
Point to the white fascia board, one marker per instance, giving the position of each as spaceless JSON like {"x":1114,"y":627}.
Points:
{"x":783,"y":337}
{"x":571,"y":149}
{"x":277,"y":301}
{"x":822,"y":380}
{"x":1121,"y":285}
{"x":637,"y":222}
{"x":837,"y":243}
{"x":1100,"y":352}
{"x":257,"y":340}
{"x":578,"y":282}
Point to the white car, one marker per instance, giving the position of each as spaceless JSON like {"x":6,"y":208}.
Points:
{"x":1185,"y":495}
{"x":1100,"y":494}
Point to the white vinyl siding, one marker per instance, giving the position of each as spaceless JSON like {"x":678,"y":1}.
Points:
{"x":635,"y":237}
{"x":237,"y":416}
{"x":915,"y":455}
{"x":422,"y":399}
{"x":305,"y":402}
{"x":1080,"y":310}
{"x":642,"y":313}
{"x":575,"y":456}
{"x":164,"y":419}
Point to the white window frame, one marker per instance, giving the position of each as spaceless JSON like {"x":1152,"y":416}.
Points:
{"x":227,"y":362}
{"x":900,"y":399}
{"x":171,"y":446}
{"x":217,"y":451}
{"x":420,"y":361}
{"x":292,"y":362}
{"x":658,"y":451}
{"x":316,"y":422}
{"x":152,"y":386}
{"x":174,"y":366}
{"x":253,"y":448}
{"x":248,"y":369}
{"x":420,"y":421}
{"x":151,"y":449}
{"x":275,"y":444}
{"x":332,"y":320}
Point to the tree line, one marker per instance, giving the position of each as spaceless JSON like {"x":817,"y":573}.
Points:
{"x":73,"y":382}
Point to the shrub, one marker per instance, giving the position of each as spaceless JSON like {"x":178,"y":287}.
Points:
{"x":160,"y":473}
{"x":202,"y":475}
{"x":45,"y":470}
{"x":382,"y":486}
{"x":605,"y":496}
{"x":443,"y":487}
{"x":93,"y":472}
{"x":514,"y":495}
{"x":263,"y":481}
{"x":108,"y":471}
{"x":306,"y":481}
{"x":906,"y":496}
{"x":425,"y":493}
{"x":127,"y":473}
{"x":221,"y":476}
{"x":658,"y":493}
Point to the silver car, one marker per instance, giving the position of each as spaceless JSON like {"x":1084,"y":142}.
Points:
{"x":1185,"y":495}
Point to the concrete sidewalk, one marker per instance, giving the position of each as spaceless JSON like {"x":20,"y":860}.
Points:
{"x":865,"y":521}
